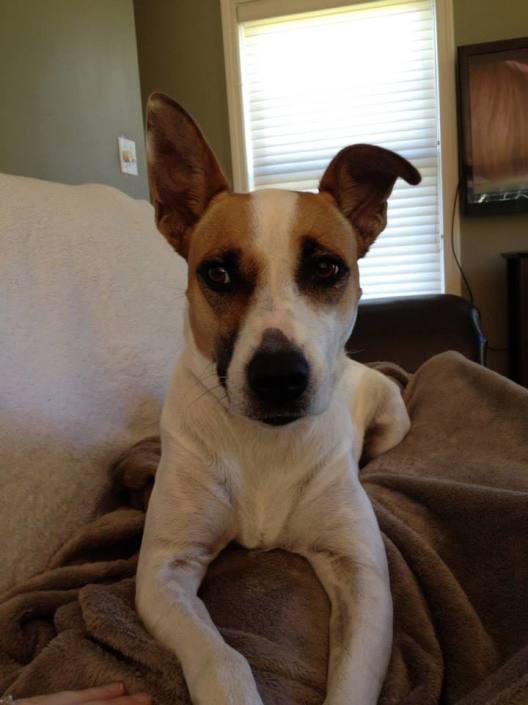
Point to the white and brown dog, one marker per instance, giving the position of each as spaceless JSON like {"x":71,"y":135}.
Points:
{"x":263,"y":426}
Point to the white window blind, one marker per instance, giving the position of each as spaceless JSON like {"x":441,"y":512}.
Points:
{"x":317,"y":81}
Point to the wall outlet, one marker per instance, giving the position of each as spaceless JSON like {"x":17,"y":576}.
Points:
{"x":127,"y":156}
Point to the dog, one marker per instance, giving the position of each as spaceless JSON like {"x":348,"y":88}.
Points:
{"x":264,"y":422}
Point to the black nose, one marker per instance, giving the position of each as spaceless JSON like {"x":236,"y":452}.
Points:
{"x":279,"y":375}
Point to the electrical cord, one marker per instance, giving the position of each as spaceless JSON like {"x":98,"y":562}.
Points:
{"x":455,"y":256}
{"x":459,"y":265}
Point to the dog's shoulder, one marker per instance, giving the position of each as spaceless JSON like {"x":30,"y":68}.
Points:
{"x":364,"y":384}
{"x":376,"y":406}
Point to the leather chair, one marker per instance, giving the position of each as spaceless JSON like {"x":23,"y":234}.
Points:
{"x":410,"y":330}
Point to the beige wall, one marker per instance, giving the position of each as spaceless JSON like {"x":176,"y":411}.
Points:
{"x":181,"y":53}
{"x":69,"y":86}
{"x":484,"y":238}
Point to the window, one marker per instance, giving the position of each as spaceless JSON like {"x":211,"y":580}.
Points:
{"x":313,"y":82}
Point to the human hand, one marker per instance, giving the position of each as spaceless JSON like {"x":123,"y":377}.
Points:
{"x":113,"y":694}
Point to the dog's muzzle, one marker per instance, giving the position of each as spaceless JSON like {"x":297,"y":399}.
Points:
{"x":278,"y":376}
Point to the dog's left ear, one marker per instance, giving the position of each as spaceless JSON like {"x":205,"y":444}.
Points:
{"x":183,"y":172}
{"x":361,"y":178}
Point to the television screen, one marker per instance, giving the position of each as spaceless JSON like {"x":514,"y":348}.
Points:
{"x":493,"y":115}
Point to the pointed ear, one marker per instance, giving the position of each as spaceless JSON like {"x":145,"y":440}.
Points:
{"x":361,"y":178}
{"x":183,"y":173}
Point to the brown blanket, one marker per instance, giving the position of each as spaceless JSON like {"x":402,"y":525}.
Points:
{"x":452,"y":501}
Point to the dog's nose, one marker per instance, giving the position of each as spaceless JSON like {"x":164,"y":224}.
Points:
{"x":278,"y":376}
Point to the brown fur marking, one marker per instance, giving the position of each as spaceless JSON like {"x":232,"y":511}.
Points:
{"x":214,"y":316}
{"x":320,"y":220}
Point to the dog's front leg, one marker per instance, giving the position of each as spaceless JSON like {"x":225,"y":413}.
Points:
{"x":351,"y":564}
{"x":188,"y":523}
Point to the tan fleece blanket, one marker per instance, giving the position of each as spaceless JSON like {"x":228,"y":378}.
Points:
{"x":452,"y":501}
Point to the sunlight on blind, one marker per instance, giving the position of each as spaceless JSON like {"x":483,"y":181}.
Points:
{"x":318,"y":81}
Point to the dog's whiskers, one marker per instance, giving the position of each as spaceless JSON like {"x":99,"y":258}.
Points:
{"x":208,"y":372}
{"x":208,"y":375}
{"x":210,"y":390}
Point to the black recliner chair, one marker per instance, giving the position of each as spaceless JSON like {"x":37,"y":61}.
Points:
{"x":410,"y":330}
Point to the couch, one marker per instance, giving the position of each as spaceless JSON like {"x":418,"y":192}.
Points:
{"x":91,"y":318}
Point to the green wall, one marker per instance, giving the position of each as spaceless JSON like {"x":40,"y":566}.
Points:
{"x":484,"y":238}
{"x":181,"y":53}
{"x":69,"y":86}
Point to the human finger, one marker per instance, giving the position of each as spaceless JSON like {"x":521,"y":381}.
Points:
{"x":76,"y":697}
{"x":136,"y":699}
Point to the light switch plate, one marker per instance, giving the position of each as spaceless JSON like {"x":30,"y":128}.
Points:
{"x":127,"y":155}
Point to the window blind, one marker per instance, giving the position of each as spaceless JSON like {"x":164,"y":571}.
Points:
{"x":315,"y":82}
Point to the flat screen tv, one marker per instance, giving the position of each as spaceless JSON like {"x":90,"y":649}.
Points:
{"x":493,"y":127}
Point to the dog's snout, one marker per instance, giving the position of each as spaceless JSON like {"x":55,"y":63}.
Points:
{"x":279,"y":375}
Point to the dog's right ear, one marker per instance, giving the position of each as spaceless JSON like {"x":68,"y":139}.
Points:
{"x":183,"y":172}
{"x":360,"y":178}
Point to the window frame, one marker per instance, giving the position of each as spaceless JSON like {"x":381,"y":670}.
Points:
{"x":448,"y":132}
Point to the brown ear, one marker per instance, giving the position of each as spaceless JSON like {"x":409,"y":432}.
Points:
{"x":361,"y":178}
{"x":183,"y":172}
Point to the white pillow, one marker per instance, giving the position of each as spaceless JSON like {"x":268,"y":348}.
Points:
{"x":91,"y":306}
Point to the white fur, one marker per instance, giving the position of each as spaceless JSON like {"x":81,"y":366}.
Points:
{"x":225,"y":477}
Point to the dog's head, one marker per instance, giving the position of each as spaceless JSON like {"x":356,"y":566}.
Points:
{"x":273,"y":283}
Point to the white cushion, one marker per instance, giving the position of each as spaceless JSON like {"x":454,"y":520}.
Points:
{"x":91,"y":309}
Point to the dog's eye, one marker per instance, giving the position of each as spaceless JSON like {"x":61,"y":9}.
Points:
{"x":327,"y":271}
{"x":217,"y":276}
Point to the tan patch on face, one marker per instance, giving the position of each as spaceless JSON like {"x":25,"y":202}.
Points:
{"x":320,"y":222}
{"x":225,"y":230}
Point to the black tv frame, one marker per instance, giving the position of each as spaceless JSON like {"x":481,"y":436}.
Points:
{"x":519,"y":205}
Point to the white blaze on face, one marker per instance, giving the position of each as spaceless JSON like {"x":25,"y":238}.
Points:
{"x":316,"y":330}
{"x":276,"y":296}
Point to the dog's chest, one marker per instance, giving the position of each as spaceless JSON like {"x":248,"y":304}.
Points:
{"x":273,"y":483}
{"x":264,"y":502}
